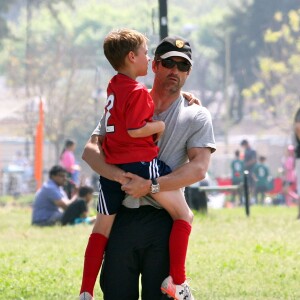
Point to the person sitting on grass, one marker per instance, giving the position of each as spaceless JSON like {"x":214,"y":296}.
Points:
{"x":78,"y":211}
{"x":51,"y":200}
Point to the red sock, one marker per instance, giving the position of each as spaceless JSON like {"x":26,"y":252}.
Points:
{"x":92,"y":261}
{"x":178,"y":244}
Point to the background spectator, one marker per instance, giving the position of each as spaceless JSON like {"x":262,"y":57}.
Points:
{"x":237,"y":176}
{"x":51,"y":200}
{"x":77,"y":212}
{"x":250,"y":159}
{"x":289,"y":176}
{"x":297,"y":152}
{"x":261,"y":175}
{"x":67,"y":160}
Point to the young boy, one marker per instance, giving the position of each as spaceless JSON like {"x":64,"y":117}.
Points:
{"x":130,"y":143}
{"x":77,"y":212}
{"x":237,"y":176}
{"x":261,"y":175}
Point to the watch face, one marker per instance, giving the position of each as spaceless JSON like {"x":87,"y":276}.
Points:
{"x":155,"y":188}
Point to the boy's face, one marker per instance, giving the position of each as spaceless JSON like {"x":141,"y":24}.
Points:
{"x":142,"y":60}
{"x":89,"y":197}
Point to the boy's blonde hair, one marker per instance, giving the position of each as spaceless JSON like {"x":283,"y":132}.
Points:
{"x":118,"y":43}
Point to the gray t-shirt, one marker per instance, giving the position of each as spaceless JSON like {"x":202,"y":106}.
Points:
{"x":186,"y":127}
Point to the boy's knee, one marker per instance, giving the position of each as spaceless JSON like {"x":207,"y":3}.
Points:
{"x":190,"y":217}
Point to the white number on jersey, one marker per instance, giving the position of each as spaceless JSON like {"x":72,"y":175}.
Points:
{"x":109,"y":106}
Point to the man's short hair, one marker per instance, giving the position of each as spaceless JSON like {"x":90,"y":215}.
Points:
{"x":85,"y":190}
{"x":262,"y":158}
{"x":56,"y":170}
{"x":244,"y":143}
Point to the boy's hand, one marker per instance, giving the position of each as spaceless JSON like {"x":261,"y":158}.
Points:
{"x":191,"y":98}
{"x":123,"y":179}
{"x":157,"y":136}
{"x":137,"y":186}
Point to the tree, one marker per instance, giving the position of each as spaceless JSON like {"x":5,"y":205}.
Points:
{"x":58,"y":61}
{"x":274,"y":96}
{"x":246,"y":25}
{"x":52,"y":70}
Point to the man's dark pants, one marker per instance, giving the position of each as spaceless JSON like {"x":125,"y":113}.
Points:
{"x":138,"y":244}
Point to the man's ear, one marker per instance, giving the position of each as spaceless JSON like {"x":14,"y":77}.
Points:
{"x":154,"y":66}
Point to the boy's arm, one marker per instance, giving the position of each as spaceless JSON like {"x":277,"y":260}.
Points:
{"x":93,"y":155}
{"x":191,"y":172}
{"x":149,"y":129}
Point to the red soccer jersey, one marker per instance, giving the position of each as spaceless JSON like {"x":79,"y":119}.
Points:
{"x":129,"y":106}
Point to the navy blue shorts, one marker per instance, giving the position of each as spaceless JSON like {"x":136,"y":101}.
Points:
{"x":110,"y":194}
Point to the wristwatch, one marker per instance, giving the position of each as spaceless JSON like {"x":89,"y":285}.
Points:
{"x":155,"y":188}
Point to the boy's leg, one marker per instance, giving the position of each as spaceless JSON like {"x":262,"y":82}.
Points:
{"x":92,"y":261}
{"x":174,"y":202}
{"x":178,"y":244}
{"x":110,"y":199}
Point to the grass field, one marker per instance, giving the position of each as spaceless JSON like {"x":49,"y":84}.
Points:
{"x":230,"y":256}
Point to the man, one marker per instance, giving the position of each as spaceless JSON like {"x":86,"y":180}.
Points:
{"x":250,"y":159}
{"x":297,"y":153}
{"x":138,"y":244}
{"x":51,"y":200}
{"x":77,"y":212}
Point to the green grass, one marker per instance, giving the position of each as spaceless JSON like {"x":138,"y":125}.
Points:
{"x":230,"y":256}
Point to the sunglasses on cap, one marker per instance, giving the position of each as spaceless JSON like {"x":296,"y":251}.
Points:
{"x":170,"y":64}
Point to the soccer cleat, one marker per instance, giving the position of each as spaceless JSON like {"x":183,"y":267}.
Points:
{"x":176,"y":291}
{"x":86,"y":296}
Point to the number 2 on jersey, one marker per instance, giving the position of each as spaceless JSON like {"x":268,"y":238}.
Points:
{"x":109,"y":106}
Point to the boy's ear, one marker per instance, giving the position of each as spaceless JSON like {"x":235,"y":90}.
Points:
{"x":131,"y":56}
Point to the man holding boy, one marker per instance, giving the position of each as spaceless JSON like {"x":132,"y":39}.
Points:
{"x":138,"y":244}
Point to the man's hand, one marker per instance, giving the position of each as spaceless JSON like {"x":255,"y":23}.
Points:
{"x":137,"y":186}
{"x":191,"y":98}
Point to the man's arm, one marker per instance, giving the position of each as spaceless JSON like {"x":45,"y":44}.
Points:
{"x":185,"y":175}
{"x":93,"y":155}
{"x":64,"y":203}
{"x":297,"y":129}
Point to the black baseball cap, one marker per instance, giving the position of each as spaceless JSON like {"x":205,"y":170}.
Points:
{"x":174,"y":46}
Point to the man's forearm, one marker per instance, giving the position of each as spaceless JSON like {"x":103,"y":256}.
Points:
{"x":297,"y":130}
{"x":94,"y":157}
{"x":191,"y":172}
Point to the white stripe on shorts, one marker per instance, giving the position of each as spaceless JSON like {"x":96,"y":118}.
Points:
{"x":153,"y":169}
{"x":102,"y":208}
